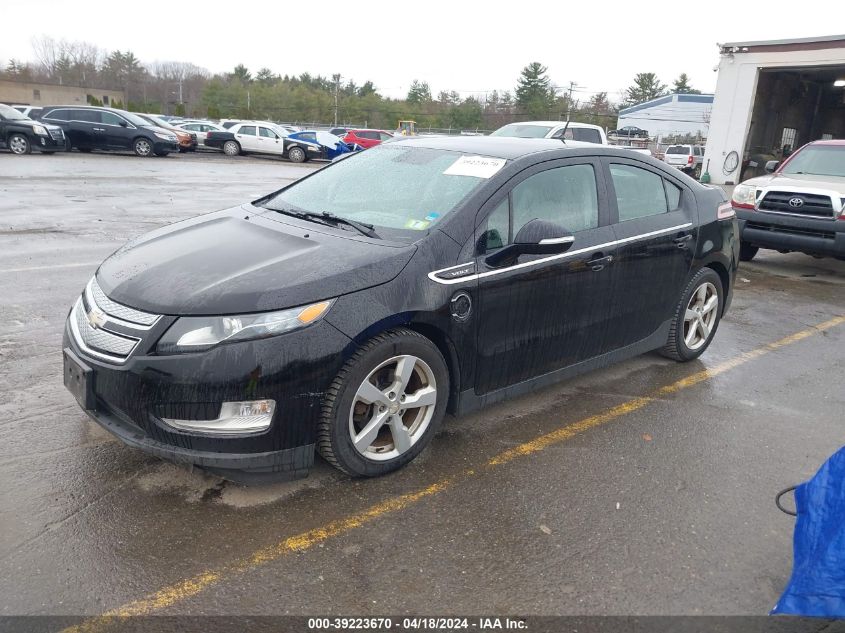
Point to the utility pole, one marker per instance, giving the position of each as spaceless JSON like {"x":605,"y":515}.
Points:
{"x":336,"y":90}
{"x":572,"y":85}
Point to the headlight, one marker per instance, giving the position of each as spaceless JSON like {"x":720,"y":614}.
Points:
{"x":197,"y":334}
{"x":166,"y":137}
{"x":744,"y":196}
{"x":40,"y":130}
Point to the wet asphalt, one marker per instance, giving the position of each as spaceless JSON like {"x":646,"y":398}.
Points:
{"x":666,"y":509}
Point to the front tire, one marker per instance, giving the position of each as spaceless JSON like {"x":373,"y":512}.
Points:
{"x":696,"y":318}
{"x":231,"y":148}
{"x":747,"y":251}
{"x":142,"y":147}
{"x":385,"y":404}
{"x":19,"y":144}
{"x":296,"y":155}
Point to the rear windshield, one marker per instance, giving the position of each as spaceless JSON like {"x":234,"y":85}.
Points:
{"x":678,"y":149}
{"x":519,"y":130}
{"x":818,"y":160}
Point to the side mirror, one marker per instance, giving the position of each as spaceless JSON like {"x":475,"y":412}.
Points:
{"x":123,"y":123}
{"x":771,"y":166}
{"x":537,"y":237}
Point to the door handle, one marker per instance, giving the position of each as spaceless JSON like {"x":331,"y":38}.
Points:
{"x":99,"y":129}
{"x":681,"y":242}
{"x":598,"y":263}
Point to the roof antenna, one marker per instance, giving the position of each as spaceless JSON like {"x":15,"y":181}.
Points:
{"x":563,"y":132}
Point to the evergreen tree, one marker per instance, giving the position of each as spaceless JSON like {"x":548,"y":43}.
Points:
{"x":646,"y":87}
{"x":682,"y":87}
{"x":420,"y":92}
{"x":534,"y":91}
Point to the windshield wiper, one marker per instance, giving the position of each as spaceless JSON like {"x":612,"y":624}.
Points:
{"x":330,"y":219}
{"x":361,"y":227}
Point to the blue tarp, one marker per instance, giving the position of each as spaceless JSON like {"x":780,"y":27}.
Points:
{"x":817,"y":585}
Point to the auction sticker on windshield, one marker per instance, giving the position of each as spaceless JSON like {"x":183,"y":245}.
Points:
{"x":476,"y":166}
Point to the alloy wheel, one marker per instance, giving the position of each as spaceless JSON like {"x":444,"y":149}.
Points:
{"x":392,"y":408}
{"x":142,"y":147}
{"x":700,"y":315}
{"x":18,"y":145}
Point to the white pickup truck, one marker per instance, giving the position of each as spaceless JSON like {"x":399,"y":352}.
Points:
{"x":554,"y":129}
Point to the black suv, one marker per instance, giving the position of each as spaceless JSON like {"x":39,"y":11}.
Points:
{"x":21,"y":134}
{"x":88,"y":127}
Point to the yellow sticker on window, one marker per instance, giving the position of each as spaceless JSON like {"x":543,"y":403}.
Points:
{"x":417,"y":225}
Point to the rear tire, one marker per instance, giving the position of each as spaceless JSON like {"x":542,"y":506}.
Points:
{"x":19,"y":144}
{"x":385,"y":404}
{"x":296,"y":155}
{"x":697,"y":317}
{"x":747,"y":251}
{"x":696,"y":173}
{"x":142,"y":147}
{"x":231,"y":148}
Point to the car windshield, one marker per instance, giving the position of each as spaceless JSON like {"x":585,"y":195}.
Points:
{"x":11,"y":114}
{"x":818,"y":160}
{"x":134,"y":119}
{"x":520,"y":130}
{"x":406,"y":189}
{"x":678,"y":149}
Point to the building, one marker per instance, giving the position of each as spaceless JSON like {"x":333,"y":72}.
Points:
{"x":37,"y":94}
{"x":670,"y":116}
{"x":772,"y":97}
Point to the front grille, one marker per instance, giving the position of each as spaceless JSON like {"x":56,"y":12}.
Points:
{"x":57,"y":134}
{"x":811,"y":204}
{"x":115,"y":330}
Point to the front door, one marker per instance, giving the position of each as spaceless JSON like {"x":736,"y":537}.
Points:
{"x":269,"y":142}
{"x":543,"y":313}
{"x":118,"y":131}
{"x":655,"y":223}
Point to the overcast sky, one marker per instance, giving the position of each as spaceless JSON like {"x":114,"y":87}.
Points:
{"x":471,"y":47}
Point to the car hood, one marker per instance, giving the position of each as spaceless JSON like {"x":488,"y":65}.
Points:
{"x":799,"y":181}
{"x":239,"y":261}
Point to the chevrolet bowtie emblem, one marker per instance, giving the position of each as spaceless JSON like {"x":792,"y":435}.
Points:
{"x":96,"y":318}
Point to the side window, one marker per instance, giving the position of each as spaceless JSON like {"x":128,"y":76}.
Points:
{"x":673,"y":195}
{"x":588,"y":135}
{"x":385,"y":136}
{"x":58,"y":115}
{"x":697,"y":150}
{"x":110,"y":118}
{"x":266,"y":132}
{"x":639,"y":193}
{"x":309,"y":136}
{"x":497,"y":233}
{"x":565,"y":195}
{"x":89,"y":116}
{"x":249,"y":130}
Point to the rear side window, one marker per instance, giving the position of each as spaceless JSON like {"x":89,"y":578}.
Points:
{"x":249,"y":130}
{"x":58,"y":115}
{"x":370,"y":135}
{"x":639,"y":193}
{"x":588,"y":135}
{"x":678,"y":149}
{"x":564,"y":195}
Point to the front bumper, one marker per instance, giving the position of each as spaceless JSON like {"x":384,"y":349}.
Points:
{"x":814,"y":236}
{"x":49,"y":143}
{"x":169,"y":147}
{"x":131,"y":399}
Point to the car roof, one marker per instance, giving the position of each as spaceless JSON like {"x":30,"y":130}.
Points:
{"x":555,"y":123}
{"x":497,"y":146}
{"x":830,"y":141}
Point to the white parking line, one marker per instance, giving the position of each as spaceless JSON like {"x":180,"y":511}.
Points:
{"x":51,"y":267}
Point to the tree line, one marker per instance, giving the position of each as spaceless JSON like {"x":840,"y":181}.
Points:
{"x":189,"y":90}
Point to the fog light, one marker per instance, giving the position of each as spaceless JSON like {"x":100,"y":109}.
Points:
{"x":236,"y":418}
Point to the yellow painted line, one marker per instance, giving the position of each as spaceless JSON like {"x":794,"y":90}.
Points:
{"x":184,"y":589}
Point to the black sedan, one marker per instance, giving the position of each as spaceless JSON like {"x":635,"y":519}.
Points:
{"x":346,"y":313}
{"x":630,"y":131}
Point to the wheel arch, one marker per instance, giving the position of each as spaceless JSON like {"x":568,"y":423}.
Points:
{"x":724,"y":277}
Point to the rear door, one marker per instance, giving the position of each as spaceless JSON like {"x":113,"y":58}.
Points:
{"x":655,"y":224}
{"x":542,"y":313}
{"x":247,"y":136}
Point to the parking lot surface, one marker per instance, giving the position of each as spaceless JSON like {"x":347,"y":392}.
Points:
{"x":645,"y":488}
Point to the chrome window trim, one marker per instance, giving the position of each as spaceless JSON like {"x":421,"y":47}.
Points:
{"x":433,"y":275}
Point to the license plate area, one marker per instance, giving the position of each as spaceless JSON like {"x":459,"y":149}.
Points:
{"x":79,"y":380}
